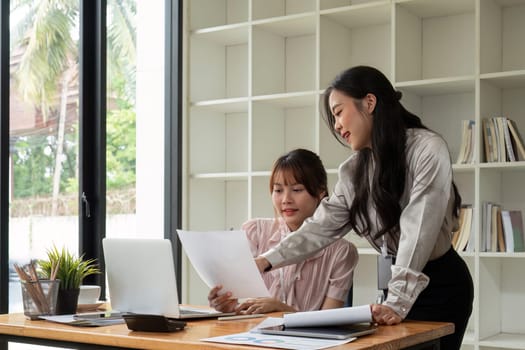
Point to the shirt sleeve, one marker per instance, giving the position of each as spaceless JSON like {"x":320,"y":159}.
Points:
{"x":328,"y":224}
{"x":344,"y":258}
{"x":420,"y":223}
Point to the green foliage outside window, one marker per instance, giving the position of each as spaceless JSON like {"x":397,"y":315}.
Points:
{"x":45,"y":41}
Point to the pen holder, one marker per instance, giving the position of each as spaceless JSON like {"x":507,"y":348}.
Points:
{"x":39,"y":297}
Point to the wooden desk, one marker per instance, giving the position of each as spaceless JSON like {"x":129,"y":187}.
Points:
{"x":15,"y":327}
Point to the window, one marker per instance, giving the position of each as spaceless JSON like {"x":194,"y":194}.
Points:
{"x":43,"y":135}
{"x":135,"y":119}
{"x":47,"y":164}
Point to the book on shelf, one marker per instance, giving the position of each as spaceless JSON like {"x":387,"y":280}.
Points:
{"x":486,"y":226}
{"x":502,"y":151}
{"x":507,"y":231}
{"x":502,"y":140}
{"x":496,"y":218}
{"x":466,"y":149}
{"x":508,"y":142}
{"x":455,"y":234}
{"x":500,"y":234}
{"x":497,"y":231}
{"x":517,"y":230}
{"x":488,"y":140}
{"x":461,"y":236}
{"x":512,"y":222}
{"x":496,"y":141}
{"x":517,"y":139}
{"x":491,"y":135}
{"x":471,"y":244}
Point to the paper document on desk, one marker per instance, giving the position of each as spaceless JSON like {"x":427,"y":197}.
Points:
{"x":276,"y":341}
{"x":329,"y":317}
{"x":79,"y":322}
{"x":224,"y":257}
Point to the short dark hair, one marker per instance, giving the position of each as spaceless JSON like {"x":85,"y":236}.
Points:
{"x":303,"y":167}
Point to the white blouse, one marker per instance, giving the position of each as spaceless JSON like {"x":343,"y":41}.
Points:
{"x":426,"y":222}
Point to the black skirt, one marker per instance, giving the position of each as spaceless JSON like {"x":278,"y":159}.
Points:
{"x":447,"y":298}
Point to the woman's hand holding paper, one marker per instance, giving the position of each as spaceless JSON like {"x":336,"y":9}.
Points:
{"x":222,"y":302}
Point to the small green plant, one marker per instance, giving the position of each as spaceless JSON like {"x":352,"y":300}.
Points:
{"x":67,"y":267}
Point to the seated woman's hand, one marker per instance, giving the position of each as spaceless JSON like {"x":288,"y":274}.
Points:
{"x":262,"y":305}
{"x":223,"y":302}
{"x":383,"y":314}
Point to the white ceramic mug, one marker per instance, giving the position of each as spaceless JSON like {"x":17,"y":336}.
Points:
{"x":89,"y":294}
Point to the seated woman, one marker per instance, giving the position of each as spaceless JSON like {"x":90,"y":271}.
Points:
{"x":298,"y":183}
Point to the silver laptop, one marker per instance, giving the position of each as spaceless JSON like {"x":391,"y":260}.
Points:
{"x":141,"y":279}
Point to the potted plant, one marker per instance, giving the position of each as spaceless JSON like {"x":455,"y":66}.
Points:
{"x":71,"y":271}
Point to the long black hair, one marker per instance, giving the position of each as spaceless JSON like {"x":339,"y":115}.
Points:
{"x":391,"y":120}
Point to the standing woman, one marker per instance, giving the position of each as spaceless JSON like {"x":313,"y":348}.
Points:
{"x":396,"y":190}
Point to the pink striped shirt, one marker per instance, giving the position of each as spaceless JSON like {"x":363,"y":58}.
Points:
{"x":328,"y":273}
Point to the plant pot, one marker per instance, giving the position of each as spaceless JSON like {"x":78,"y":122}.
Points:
{"x":67,"y":301}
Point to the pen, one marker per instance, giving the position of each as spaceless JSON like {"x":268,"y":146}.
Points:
{"x":239,"y":317}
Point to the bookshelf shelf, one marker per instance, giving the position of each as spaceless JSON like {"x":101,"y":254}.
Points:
{"x":279,"y":8}
{"x":223,"y":105}
{"x":287,"y":100}
{"x":464,"y":168}
{"x":502,"y":255}
{"x":360,"y":15}
{"x":505,"y":80}
{"x":503,"y":166}
{"x":504,"y":340}
{"x":231,"y":34}
{"x":467,"y":255}
{"x":446,"y":8}
{"x":221,"y":176}
{"x":289,"y":26}
{"x":255,"y":73}
{"x":439,"y":86}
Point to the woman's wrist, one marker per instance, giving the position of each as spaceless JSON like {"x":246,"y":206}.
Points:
{"x":263,"y":264}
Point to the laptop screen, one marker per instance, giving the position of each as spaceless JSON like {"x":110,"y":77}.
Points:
{"x":141,"y":276}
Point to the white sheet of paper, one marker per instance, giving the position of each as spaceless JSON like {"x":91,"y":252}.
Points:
{"x":224,"y":257}
{"x":268,"y":322}
{"x":329,"y":317}
{"x":276,"y":341}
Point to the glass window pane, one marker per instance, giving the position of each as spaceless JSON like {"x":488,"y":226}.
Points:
{"x":135,"y":118}
{"x":43,"y":132}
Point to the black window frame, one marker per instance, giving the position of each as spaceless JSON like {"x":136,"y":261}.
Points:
{"x":92,"y":133}
{"x":4,"y":156}
{"x":173,"y":129}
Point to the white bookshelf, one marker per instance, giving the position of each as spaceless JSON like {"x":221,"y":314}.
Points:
{"x":255,"y":70}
